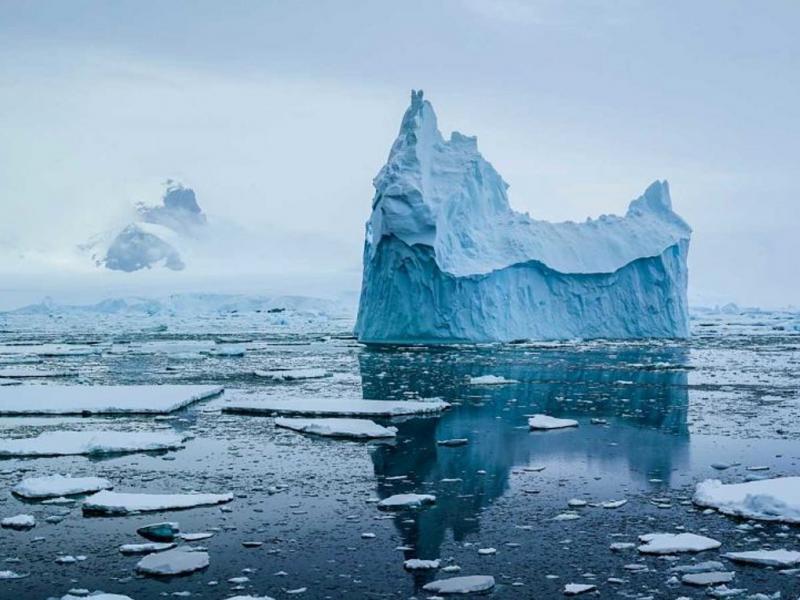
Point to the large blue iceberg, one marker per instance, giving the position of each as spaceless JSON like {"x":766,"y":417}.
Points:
{"x":447,"y":260}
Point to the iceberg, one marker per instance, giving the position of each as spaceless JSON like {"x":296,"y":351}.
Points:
{"x":447,"y":260}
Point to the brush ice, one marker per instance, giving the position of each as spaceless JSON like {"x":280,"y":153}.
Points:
{"x":101,"y":399}
{"x":344,"y":428}
{"x":67,"y":443}
{"x":446,"y":259}
{"x":345,"y":407}
{"x":469,"y":584}
{"x":776,"y":499}
{"x":672,"y":543}
{"x":115,"y":503}
{"x":53,"y":486}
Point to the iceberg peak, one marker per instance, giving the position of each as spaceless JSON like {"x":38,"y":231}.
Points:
{"x":446,"y":258}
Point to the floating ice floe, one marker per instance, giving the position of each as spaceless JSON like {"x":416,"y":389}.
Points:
{"x":31,"y":372}
{"x":8,"y":575}
{"x":469,"y":584}
{"x":401,"y":501}
{"x":147,"y":548}
{"x":101,"y":399}
{"x":98,"y":595}
{"x":54,"y":486}
{"x":343,"y":428}
{"x":67,"y":443}
{"x":767,"y":558}
{"x":172,"y":563}
{"x":701,"y":567}
{"x":335,"y":407}
{"x":544,"y":422}
{"x":708,"y":578}
{"x":491,"y":380}
{"x":250,"y":598}
{"x":292,"y":374}
{"x":672,"y":543}
{"x":573,"y":589}
{"x":418,"y":564}
{"x":18,"y":522}
{"x":776,"y":499}
{"x":160,"y":532}
{"x":115,"y":503}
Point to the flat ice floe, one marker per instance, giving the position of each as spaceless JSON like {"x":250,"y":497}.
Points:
{"x":172,"y":562}
{"x":343,"y":428}
{"x":69,"y":443}
{"x":767,"y":558}
{"x":146,"y":548}
{"x":54,"y":486}
{"x":544,"y":422}
{"x":400,"y":501}
{"x":292,"y":374}
{"x":469,"y":584}
{"x":335,"y":407}
{"x":672,"y":543}
{"x":31,"y":372}
{"x":96,"y":596}
{"x":101,"y":399}
{"x":18,"y":522}
{"x":491,"y":380}
{"x":775,"y":499}
{"x":418,"y":564}
{"x":115,"y":503}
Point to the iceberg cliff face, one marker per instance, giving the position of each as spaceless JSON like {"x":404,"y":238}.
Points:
{"x":446,"y":259}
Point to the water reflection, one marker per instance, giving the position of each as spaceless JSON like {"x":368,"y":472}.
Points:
{"x":638,"y":390}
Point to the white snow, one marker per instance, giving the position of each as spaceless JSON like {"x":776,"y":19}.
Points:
{"x":115,"y":503}
{"x":770,"y":558}
{"x":66,"y":443}
{"x":469,"y":584}
{"x":101,"y":399}
{"x":399,"y":501}
{"x":345,"y":407}
{"x":18,"y":522}
{"x":491,"y":380}
{"x":146,"y":548}
{"x":345,"y":428}
{"x":292,"y":374}
{"x":418,"y":564}
{"x":545,"y":422}
{"x":776,"y":499}
{"x":173,"y":562}
{"x":672,"y":543}
{"x":53,"y":486}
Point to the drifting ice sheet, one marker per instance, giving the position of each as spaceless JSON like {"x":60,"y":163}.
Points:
{"x":775,"y":499}
{"x":292,"y":375}
{"x":767,"y":558}
{"x":335,"y":407}
{"x":402,"y":501}
{"x":115,"y":503}
{"x":469,"y":584}
{"x":544,"y":422}
{"x":53,"y":486}
{"x":67,"y":443}
{"x":105,"y":399}
{"x":446,"y":259}
{"x":672,"y":543}
{"x":172,"y":562}
{"x":344,"y":428}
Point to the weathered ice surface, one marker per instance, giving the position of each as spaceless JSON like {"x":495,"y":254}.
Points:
{"x":446,"y":259}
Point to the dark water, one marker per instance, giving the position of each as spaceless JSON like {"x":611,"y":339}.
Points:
{"x":672,"y":409}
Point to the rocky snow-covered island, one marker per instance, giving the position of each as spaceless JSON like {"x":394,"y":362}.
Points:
{"x":446,"y":259}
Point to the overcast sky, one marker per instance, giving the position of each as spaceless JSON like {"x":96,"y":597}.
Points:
{"x":279,"y":114}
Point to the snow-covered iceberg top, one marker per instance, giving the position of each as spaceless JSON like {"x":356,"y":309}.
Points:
{"x":446,"y":258}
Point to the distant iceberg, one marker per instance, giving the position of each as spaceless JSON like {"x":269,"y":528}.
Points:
{"x":446,"y":259}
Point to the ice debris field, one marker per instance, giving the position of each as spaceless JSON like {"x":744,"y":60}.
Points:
{"x":330,"y":469}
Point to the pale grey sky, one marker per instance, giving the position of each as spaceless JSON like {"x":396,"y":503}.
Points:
{"x":280,"y":113}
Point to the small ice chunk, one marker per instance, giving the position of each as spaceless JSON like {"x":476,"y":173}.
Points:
{"x":160,"y":532}
{"x":672,"y":543}
{"x":343,"y":428}
{"x":54,"y":486}
{"x":418,"y":564}
{"x":147,"y":548}
{"x":573,"y":589}
{"x":544,"y":422}
{"x":7,"y":575}
{"x":172,"y":562}
{"x":776,"y":499}
{"x":576,"y":503}
{"x":614,"y":503}
{"x":335,"y":407}
{"x":708,"y":578}
{"x":701,"y":567}
{"x":18,"y":522}
{"x":98,"y":595}
{"x":491,"y":380}
{"x":401,"y":501}
{"x":453,"y":442}
{"x":114,"y":503}
{"x":769,"y":558}
{"x":196,"y":537}
{"x":68,"y":443}
{"x":292,"y":374}
{"x":469,"y":584}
